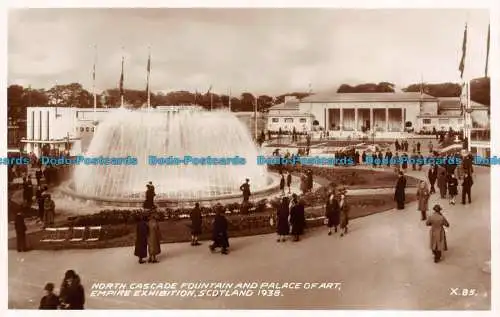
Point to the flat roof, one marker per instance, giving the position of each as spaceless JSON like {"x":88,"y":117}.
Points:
{"x":368,"y":97}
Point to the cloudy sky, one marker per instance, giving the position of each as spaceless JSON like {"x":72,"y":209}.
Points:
{"x":260,"y":50}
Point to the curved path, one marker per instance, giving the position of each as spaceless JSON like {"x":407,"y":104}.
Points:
{"x":383,"y":263}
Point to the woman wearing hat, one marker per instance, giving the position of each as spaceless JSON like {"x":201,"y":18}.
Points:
{"x":50,"y":300}
{"x":344,"y":212}
{"x":437,"y":222}
{"x":72,"y":292}
{"x":423,"y":199}
{"x":154,"y":237}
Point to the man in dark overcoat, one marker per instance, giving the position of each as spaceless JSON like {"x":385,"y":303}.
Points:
{"x":432,"y":175}
{"x":196,"y":222}
{"x":442,"y":181}
{"x":297,"y":218}
{"x":466,"y":187}
{"x":245,"y":189}
{"x":20,"y":227}
{"x":141,"y":239}
{"x":332,"y":213}
{"x":399,"y":193}
{"x":282,"y":214}
{"x":220,"y":237}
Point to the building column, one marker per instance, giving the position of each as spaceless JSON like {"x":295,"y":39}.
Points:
{"x":341,"y":124}
{"x":402,"y":119}
{"x":327,"y":119}
{"x":386,"y":119}
{"x":372,"y":123}
{"x":356,"y":119}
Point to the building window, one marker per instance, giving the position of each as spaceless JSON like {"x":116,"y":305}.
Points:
{"x":87,"y":129}
{"x":275,"y":120}
{"x":288,"y":120}
{"x":81,"y":129}
{"x":303,"y":120}
{"x":444,"y":121}
{"x":92,"y":129}
{"x":426,"y":121}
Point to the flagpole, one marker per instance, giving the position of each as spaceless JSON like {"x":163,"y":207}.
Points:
{"x":255,"y":117}
{"x":93,"y":82}
{"x":469,"y":117}
{"x":149,"y":75}
{"x":229,"y":101}
{"x":487,"y":52}
{"x":211,"y":101}
{"x":121,"y":81}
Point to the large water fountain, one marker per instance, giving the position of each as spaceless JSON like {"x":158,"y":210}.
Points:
{"x":145,"y":133}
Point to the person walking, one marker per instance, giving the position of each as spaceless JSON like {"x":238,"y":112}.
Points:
{"x":297,"y":218}
{"x":72,"y":294}
{"x":344,"y":214}
{"x":453,"y":188}
{"x":282,"y":214}
{"x":332,"y":213}
{"x":432,"y":176}
{"x":196,"y":222}
{"x":399,"y":193}
{"x":423,"y":199}
{"x":282,"y":184}
{"x":430,"y":146}
{"x":220,"y":237}
{"x":438,"y":243}
{"x":466,"y":187}
{"x":50,"y":301}
{"x":442,"y":181}
{"x":154,"y":238}
{"x":40,"y":199}
{"x":49,"y":209}
{"x":21,"y":229}
{"x":141,"y":239}
{"x":289,"y":181}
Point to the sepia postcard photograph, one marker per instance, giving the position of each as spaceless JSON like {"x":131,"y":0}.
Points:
{"x":249,"y":158}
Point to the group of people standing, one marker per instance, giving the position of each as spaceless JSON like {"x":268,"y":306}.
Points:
{"x":290,"y":218}
{"x":71,"y":295}
{"x":148,"y":237}
{"x":337,"y":211}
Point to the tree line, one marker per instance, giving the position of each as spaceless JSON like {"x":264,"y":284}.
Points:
{"x":19,"y":97}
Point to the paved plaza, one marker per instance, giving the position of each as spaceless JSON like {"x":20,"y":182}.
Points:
{"x":383,"y":263}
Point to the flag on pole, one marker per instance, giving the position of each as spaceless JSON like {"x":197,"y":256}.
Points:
{"x":463,"y":98}
{"x":461,"y":67}
{"x":121,"y":77}
{"x":487,"y":52}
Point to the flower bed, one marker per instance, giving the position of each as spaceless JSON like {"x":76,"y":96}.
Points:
{"x":352,"y":177}
{"x":178,"y":229}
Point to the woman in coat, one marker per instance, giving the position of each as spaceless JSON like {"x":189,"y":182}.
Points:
{"x":332,"y":213}
{"x":72,"y":294}
{"x":399,"y":193}
{"x":282,"y":184}
{"x":141,"y":239}
{"x":453,"y":188}
{"x":442,"y":181}
{"x":282,"y":214}
{"x":423,"y":199}
{"x":297,"y":218}
{"x":154,"y":237}
{"x":344,"y":214}
{"x":437,"y":222}
{"x":49,"y":208}
{"x":196,"y":222}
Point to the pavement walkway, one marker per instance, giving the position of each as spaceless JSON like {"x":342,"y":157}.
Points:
{"x":383,"y":263}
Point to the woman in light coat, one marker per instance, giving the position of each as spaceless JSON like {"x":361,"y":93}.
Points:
{"x":423,"y":194}
{"x":154,"y":237}
{"x":437,"y":222}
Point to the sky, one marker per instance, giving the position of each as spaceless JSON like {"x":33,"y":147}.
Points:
{"x":264,"y":51}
